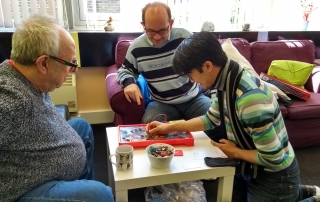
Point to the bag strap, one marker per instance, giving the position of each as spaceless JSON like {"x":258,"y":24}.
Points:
{"x":244,"y":141}
{"x":221,"y":111}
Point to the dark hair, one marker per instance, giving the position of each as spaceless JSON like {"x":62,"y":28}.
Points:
{"x":154,"y":4}
{"x":197,"y":49}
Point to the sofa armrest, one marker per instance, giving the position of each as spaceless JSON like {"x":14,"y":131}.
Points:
{"x":314,"y":80}
{"x":316,"y":63}
{"x":131,"y":113}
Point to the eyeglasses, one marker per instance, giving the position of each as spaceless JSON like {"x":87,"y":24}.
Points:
{"x":151,"y":32}
{"x":73,"y":64}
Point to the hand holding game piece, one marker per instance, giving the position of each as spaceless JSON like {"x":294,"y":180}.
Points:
{"x":158,"y":128}
{"x":147,"y":131}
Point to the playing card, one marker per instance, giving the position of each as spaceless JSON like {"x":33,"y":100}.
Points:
{"x":178,"y":153}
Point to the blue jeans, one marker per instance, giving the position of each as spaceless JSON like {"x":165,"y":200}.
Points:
{"x":282,"y":186}
{"x":197,"y":106}
{"x":85,"y":189}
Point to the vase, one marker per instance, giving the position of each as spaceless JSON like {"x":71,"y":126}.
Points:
{"x":305,"y":25}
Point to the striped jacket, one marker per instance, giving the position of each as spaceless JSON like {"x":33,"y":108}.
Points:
{"x":155,"y":64}
{"x":260,"y":115}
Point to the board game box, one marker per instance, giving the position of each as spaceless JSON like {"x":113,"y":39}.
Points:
{"x":136,"y":136}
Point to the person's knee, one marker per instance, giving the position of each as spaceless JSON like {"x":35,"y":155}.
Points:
{"x":203,"y":104}
{"x":147,"y":118}
{"x":153,"y":115}
{"x":82,"y":127}
{"x":97,"y":191}
{"x":79,"y":122}
{"x":104,"y":193}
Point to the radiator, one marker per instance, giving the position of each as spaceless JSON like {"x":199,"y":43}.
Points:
{"x":66,"y":94}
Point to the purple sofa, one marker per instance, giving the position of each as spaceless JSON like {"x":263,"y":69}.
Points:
{"x":302,"y":118}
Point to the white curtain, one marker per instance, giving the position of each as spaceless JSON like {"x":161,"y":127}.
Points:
{"x":12,"y":12}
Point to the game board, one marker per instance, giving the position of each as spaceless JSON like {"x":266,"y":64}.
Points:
{"x":136,"y":136}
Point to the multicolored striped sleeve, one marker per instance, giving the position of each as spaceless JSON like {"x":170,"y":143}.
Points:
{"x":212,"y":118}
{"x":259,"y":113}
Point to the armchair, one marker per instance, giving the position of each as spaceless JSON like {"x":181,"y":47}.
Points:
{"x":125,"y":112}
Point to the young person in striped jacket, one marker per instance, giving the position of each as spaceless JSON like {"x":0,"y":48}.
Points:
{"x":252,"y":126}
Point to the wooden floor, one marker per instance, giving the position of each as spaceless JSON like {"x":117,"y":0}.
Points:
{"x":308,"y":158}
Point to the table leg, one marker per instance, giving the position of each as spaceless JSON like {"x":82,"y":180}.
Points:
{"x":225,"y":188}
{"x":110,"y":170}
{"x":122,"y":196}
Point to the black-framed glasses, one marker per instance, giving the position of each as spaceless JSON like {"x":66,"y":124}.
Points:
{"x":73,"y":64}
{"x":151,"y":32}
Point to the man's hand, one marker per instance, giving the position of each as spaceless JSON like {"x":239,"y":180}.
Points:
{"x":228,"y":147}
{"x":133,"y":92}
{"x":157,"y":127}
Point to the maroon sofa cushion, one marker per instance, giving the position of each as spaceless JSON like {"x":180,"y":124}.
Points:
{"x":284,"y":111}
{"x":301,"y":109}
{"x":303,"y":132}
{"x":263,"y":53}
{"x":317,"y":52}
{"x":121,"y":51}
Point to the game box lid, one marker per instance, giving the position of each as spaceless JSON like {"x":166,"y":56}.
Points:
{"x":136,"y":136}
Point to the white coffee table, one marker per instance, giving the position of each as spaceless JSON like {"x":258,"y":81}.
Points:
{"x":188,"y":167}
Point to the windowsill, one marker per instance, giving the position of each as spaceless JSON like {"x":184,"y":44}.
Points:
{"x":102,"y":31}
{"x":82,"y":29}
{"x":7,"y":29}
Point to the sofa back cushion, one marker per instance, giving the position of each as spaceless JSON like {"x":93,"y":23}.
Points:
{"x":121,"y":51}
{"x":263,"y":53}
{"x":122,"y":46}
{"x":242,"y":45}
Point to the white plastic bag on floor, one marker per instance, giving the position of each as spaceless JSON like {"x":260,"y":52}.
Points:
{"x":177,"y":192}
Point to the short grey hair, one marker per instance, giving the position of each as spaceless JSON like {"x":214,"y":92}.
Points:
{"x":36,"y":36}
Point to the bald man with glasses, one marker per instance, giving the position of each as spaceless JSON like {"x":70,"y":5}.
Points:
{"x":172,"y":96}
{"x":43,"y":156}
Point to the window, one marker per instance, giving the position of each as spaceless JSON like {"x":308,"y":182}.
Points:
{"x":226,"y":15}
{"x":92,"y":14}
{"x":14,"y":11}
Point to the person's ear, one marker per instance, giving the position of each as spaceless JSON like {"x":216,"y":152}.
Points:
{"x":42,"y":64}
{"x":171,"y":23}
{"x":208,"y":66}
